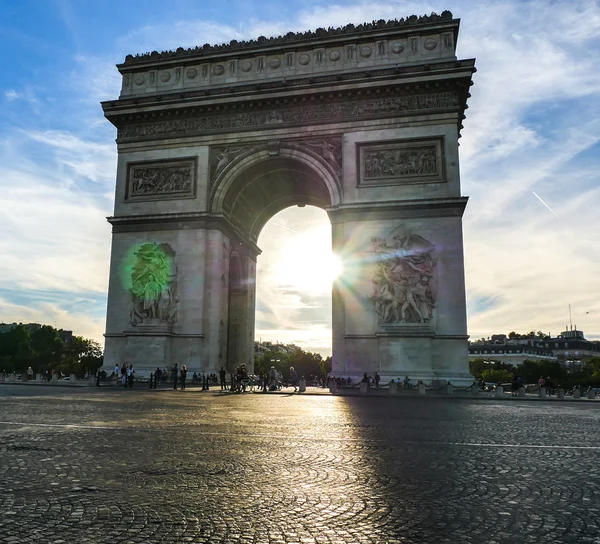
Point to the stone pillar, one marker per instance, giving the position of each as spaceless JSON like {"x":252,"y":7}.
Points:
{"x":302,"y":385}
{"x":55,"y":378}
{"x":39,"y":377}
{"x":72,"y":378}
{"x":393,"y":388}
{"x":369,"y":333}
{"x":333,"y":388}
{"x":591,"y":394}
{"x":2,"y":377}
{"x":422,"y":389}
{"x":474,"y":390}
{"x":364,"y":388}
{"x":522,"y":392}
{"x":542,"y":392}
{"x":449,"y":389}
{"x":576,"y":393}
{"x":561,"y":393}
{"x":499,"y":392}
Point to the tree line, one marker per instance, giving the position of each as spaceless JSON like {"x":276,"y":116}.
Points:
{"x":43,"y":349}
{"x":304,"y":362}
{"x":530,"y":371}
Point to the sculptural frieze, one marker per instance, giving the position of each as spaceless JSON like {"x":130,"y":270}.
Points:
{"x":317,"y":113}
{"x":153,"y":286}
{"x":404,"y":286}
{"x":406,"y":161}
{"x":161,"y":179}
{"x":416,"y":161}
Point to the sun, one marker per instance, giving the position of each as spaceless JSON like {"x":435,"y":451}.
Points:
{"x":307,"y":263}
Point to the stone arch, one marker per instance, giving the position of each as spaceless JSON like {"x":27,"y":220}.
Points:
{"x":262,"y":181}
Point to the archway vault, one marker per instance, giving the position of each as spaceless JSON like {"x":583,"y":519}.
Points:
{"x":254,"y":184}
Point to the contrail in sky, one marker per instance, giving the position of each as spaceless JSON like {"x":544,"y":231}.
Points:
{"x":292,"y":230}
{"x":540,"y":199}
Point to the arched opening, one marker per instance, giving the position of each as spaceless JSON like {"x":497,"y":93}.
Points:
{"x":294,"y":280}
{"x":249,"y":193}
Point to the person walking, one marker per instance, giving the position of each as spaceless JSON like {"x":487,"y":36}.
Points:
{"x":294,"y":378}
{"x":222,"y":376}
{"x":183,"y":376}
{"x":175,"y":375}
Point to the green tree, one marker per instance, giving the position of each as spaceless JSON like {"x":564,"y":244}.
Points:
{"x":531,"y":371}
{"x":48,"y":347}
{"x":497,"y":376}
{"x":81,"y":355}
{"x":15,"y":349}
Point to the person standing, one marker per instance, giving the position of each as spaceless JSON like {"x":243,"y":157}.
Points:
{"x":222,"y":375}
{"x":29,"y":373}
{"x":117,"y":372}
{"x":174,"y":375}
{"x":183,"y":376}
{"x":294,"y":378}
{"x":377,"y":380}
{"x":130,"y":373}
{"x":157,"y":377}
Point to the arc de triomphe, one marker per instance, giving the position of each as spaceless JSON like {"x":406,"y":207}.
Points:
{"x":362,"y":121}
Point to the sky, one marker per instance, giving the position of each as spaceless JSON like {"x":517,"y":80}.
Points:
{"x":530,"y":158}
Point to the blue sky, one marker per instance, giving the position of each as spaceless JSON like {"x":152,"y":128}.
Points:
{"x":533,"y":127}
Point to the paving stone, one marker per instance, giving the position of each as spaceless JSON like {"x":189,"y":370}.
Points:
{"x":147,"y":467}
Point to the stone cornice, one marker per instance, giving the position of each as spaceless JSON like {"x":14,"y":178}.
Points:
{"x":183,"y":221}
{"x":294,"y":39}
{"x":431,"y":207}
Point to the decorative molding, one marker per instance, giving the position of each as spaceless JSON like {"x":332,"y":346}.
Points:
{"x":276,"y":117}
{"x":160,"y":180}
{"x":327,"y":149}
{"x":405,"y":283}
{"x":290,"y":38}
{"x":401,"y":162}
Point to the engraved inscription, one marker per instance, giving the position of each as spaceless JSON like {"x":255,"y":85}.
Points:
{"x":172,"y":179}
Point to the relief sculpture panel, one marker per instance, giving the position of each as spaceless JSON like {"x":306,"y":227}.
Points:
{"x":401,"y":162}
{"x":161,"y":179}
{"x":151,"y":278}
{"x":404,"y":285}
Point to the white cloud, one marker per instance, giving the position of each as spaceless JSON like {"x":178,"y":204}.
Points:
{"x":52,"y":314}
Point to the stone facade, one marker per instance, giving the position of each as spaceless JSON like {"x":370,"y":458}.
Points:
{"x":363,"y":122}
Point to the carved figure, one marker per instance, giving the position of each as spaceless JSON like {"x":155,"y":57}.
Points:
{"x":154,"y":286}
{"x":399,"y":162}
{"x":404,"y":285}
{"x":154,"y":180}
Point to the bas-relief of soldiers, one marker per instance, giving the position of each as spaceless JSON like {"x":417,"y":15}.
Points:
{"x":405,"y":281}
{"x":159,"y":180}
{"x":154,"y":286}
{"x":400,"y":162}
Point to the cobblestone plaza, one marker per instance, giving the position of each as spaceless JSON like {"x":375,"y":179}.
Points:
{"x":134,"y":466}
